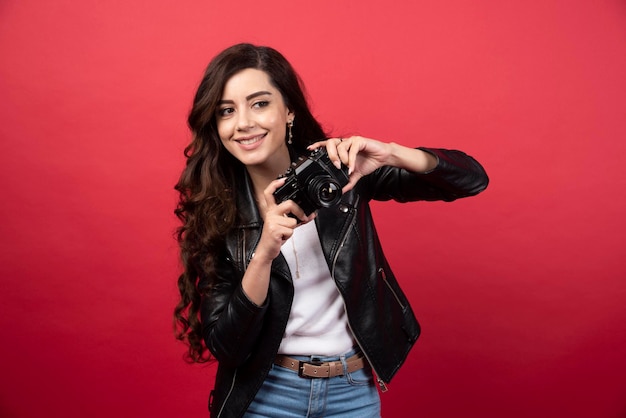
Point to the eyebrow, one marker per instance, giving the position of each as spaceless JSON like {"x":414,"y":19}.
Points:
{"x":248,"y":97}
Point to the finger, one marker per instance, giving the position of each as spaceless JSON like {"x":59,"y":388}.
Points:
{"x":353,"y":152}
{"x":332,"y":151}
{"x":343,"y":151}
{"x":288,"y":233}
{"x":354,"y":178}
{"x":316,"y":145}
{"x":278,"y":226}
{"x":268,"y":193}
{"x":295,"y":212}
{"x":285,"y":234}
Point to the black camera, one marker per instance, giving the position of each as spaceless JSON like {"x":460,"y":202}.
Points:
{"x":313,"y":182}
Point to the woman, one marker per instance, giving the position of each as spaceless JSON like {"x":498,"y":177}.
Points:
{"x":301,"y":310}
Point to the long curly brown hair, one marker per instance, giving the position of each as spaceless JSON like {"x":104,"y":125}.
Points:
{"x":206,"y":206}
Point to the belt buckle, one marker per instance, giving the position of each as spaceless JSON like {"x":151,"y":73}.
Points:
{"x":301,"y":368}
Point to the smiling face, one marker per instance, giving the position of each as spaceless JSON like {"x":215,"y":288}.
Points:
{"x":252,"y":120}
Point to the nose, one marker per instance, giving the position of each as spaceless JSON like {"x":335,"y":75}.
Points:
{"x":244,"y":121}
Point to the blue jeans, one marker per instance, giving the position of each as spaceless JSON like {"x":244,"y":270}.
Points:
{"x":285,"y":394}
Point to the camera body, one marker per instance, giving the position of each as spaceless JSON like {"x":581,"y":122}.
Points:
{"x":313,"y":182}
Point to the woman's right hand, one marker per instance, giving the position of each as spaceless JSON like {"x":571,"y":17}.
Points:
{"x":278,"y":226}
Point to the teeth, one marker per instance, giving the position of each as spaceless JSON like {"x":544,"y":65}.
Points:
{"x":250,"y":141}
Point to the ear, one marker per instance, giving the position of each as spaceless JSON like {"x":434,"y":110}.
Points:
{"x":290,"y":116}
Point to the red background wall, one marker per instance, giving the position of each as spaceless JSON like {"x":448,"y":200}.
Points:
{"x":520,"y":291}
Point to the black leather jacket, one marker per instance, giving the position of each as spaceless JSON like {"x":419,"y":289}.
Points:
{"x":244,"y":337}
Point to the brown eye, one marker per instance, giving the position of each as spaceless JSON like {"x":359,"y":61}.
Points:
{"x":225,"y":111}
{"x":260,"y":104}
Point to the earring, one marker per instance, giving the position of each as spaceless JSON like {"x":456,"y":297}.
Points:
{"x":290,"y":137}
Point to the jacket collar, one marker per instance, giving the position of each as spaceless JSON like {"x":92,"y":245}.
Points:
{"x":249,"y":215}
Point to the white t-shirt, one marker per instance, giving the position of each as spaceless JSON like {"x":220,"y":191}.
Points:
{"x":318,"y":324}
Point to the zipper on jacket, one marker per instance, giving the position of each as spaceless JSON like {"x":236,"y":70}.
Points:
{"x":381,"y":272}
{"x":345,"y":237}
{"x":381,"y":383}
{"x":246,"y":258}
{"x":243,"y":250}
{"x":230,"y":391}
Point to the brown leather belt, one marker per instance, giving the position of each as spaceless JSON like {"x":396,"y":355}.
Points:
{"x":327,"y":369}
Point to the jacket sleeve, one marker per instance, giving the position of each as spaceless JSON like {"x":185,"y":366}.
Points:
{"x":231,"y":323}
{"x":456,"y":175}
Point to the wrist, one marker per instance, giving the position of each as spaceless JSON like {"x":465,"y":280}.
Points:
{"x":260,"y":259}
{"x":411,"y":159}
{"x":394,"y":157}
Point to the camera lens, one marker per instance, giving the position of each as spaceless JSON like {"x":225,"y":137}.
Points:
{"x":324,"y":192}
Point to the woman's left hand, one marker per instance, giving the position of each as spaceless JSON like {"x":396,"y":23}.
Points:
{"x":361,"y":155}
